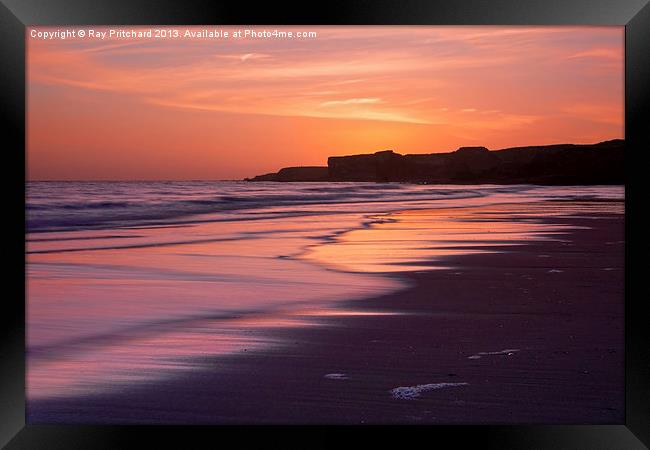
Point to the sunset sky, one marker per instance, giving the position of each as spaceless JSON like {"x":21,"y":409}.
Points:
{"x":231,"y":108}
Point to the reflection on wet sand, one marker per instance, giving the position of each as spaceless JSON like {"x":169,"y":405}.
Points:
{"x":421,"y":239}
{"x":142,"y":304}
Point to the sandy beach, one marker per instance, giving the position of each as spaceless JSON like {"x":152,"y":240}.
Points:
{"x":531,"y":331}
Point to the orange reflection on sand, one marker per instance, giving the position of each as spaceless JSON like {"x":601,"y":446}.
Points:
{"x":416,"y":239}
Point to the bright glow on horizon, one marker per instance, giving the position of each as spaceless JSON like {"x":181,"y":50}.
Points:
{"x":227,"y":109}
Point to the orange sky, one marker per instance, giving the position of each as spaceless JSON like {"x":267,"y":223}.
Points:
{"x":231,"y":108}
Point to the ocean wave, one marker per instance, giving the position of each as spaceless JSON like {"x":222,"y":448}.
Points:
{"x":60,"y":206}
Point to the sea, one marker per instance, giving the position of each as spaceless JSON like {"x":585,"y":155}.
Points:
{"x":136,"y":282}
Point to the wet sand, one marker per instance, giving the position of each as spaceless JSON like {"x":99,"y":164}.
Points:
{"x":533,"y":334}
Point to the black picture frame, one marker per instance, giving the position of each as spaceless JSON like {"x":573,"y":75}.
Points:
{"x":16,"y":15}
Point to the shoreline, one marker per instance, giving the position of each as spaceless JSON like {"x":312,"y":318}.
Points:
{"x":447,"y":359}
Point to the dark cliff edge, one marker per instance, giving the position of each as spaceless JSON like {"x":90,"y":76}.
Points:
{"x":600,"y":163}
{"x":309,"y":173}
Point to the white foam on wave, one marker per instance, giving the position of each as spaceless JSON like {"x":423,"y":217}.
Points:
{"x":411,"y":392}
{"x":336,"y":376}
{"x":508,"y":352}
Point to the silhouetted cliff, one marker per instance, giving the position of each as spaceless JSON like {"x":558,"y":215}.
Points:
{"x":310,"y":173}
{"x":600,"y":163}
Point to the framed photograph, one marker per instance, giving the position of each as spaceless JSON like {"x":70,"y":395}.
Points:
{"x":364,"y":214}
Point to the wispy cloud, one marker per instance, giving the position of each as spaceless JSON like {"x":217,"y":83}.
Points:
{"x":607,"y":53}
{"x":243,"y":57}
{"x":415,"y":73}
{"x":352,"y":101}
